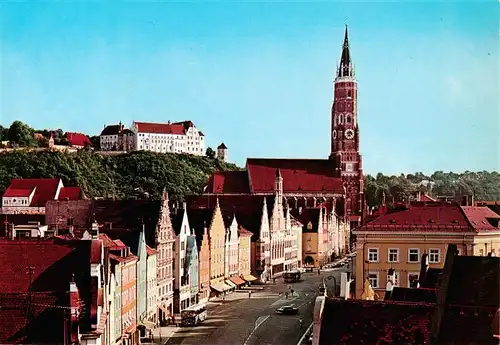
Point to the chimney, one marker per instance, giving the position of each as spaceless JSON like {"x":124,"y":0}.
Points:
{"x":472,"y":203}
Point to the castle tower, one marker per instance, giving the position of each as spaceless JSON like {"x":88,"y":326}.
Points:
{"x":222,"y":152}
{"x":345,"y":134}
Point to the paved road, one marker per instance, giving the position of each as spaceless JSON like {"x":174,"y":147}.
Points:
{"x":244,"y":321}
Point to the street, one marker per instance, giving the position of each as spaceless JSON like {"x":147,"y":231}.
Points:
{"x":241,"y":320}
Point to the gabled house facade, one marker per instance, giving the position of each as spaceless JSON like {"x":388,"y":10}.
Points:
{"x":151,"y":287}
{"x":182,"y":288}
{"x":232,"y":249}
{"x":193,"y":269}
{"x":245,"y":258}
{"x":165,"y":241}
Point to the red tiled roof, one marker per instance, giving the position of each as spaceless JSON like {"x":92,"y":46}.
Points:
{"x":244,"y":232}
{"x":70,"y":193}
{"x":12,"y":192}
{"x":14,"y":319}
{"x":46,"y":189}
{"x":160,"y":128}
{"x":17,"y":256}
{"x":77,"y":139}
{"x":372,"y":322}
{"x":229,"y":182}
{"x":430,"y":218}
{"x":123,"y":259}
{"x":299,"y":175}
{"x":151,"y":251}
{"x":96,"y":251}
{"x":425,"y":197}
{"x":119,"y":243}
{"x":478,"y":217}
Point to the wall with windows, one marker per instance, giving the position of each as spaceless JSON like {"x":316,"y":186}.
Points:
{"x":377,"y":254}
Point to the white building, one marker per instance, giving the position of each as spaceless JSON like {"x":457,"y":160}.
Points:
{"x":182,"y":288}
{"x":232,"y":250}
{"x":151,"y":286}
{"x":116,"y":138}
{"x":179,"y":137}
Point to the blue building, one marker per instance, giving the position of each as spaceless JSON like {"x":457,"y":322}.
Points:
{"x":192,"y":268}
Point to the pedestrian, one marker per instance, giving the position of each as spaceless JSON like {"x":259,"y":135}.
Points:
{"x":286,"y":295}
{"x":300,"y":323}
{"x":291,"y":291}
{"x":249,"y":294}
{"x":318,"y":271}
{"x":274,"y":280}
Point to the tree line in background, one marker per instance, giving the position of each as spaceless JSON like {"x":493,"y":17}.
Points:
{"x":20,"y":134}
{"x":482,"y":185}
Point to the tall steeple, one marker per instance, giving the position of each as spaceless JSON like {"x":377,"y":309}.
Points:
{"x":346,"y":68}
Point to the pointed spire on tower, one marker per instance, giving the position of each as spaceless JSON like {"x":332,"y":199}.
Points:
{"x":345,"y":67}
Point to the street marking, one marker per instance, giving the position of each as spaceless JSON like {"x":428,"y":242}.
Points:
{"x":257,"y":324}
{"x":304,"y":335}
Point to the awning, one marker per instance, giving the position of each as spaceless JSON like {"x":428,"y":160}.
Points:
{"x":147,"y":323}
{"x":218,"y":287}
{"x":231,"y":284}
{"x":249,"y":278}
{"x":226,"y":287}
{"x":237,"y":280}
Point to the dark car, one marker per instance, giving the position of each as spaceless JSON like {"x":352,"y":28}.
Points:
{"x":287,"y":309}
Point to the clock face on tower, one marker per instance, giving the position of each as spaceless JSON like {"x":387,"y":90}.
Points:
{"x":349,"y":134}
{"x":349,"y":167}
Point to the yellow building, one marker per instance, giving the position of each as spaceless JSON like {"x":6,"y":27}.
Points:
{"x":397,"y":240}
{"x":244,"y":253}
{"x":313,"y":251}
{"x":217,"y":236}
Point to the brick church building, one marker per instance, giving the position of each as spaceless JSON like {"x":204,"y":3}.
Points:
{"x":335,"y":183}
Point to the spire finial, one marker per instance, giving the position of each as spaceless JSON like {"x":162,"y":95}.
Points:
{"x":345,"y":67}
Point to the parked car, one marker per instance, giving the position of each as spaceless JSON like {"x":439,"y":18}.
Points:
{"x":288,"y":310}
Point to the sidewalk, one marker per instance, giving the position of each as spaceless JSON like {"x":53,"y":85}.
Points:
{"x":162,"y":334}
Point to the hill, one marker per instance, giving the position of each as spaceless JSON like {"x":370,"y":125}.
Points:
{"x":133,"y":174}
{"x":120,"y":176}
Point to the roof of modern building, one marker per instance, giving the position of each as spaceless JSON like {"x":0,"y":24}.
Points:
{"x":375,"y":322}
{"x":482,"y":218}
{"x":434,"y":217}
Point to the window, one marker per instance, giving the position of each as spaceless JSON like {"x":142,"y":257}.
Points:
{"x":393,"y":254}
{"x":396,"y":277}
{"x":434,"y":256}
{"x":413,"y":279}
{"x":413,"y":255}
{"x":373,"y":254}
{"x":373,"y":278}
{"x":341,"y":119}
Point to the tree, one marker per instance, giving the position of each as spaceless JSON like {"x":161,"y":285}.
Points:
{"x":210,"y":152}
{"x":96,"y":142}
{"x":4,"y":133}
{"x":21,"y":134}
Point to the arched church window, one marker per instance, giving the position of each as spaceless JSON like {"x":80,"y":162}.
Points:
{"x":349,"y":93}
{"x":334,"y":120}
{"x":348,"y":118}
{"x":341,"y":119}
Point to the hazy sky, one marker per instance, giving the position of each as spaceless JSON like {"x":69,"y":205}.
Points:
{"x":258,"y":76}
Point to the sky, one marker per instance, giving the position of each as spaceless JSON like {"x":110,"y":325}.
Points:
{"x":259,"y":76}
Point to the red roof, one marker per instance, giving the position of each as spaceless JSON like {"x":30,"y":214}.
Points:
{"x":46,"y":189}
{"x":70,"y":193}
{"x":425,"y":197}
{"x":77,"y":139}
{"x":160,"y":128}
{"x":480,"y":217}
{"x":14,"y":319}
{"x":374,"y":322}
{"x":12,"y":192}
{"x":151,"y":251}
{"x":416,"y":217}
{"x":229,"y":182}
{"x":17,"y":256}
{"x":245,"y":233}
{"x":96,"y":251}
{"x":299,"y":175}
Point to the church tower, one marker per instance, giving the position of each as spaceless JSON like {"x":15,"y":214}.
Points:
{"x":345,"y":135}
